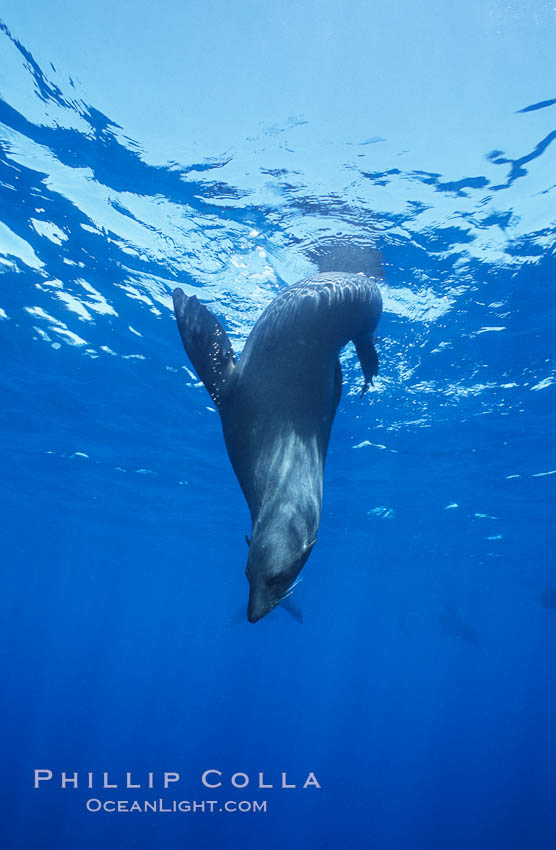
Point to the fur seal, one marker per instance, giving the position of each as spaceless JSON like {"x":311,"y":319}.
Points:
{"x":277,"y":404}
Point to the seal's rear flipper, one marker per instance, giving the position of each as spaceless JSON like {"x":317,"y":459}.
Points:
{"x":368,"y":358}
{"x":206,"y":343}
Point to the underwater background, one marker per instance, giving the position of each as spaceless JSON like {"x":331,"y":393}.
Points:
{"x":233,"y":149}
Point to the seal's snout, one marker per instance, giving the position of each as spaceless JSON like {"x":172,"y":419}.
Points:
{"x":254,"y":614}
{"x":261,"y":601}
{"x":268,"y":583}
{"x":257,"y":607}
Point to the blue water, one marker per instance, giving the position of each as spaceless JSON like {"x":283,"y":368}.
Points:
{"x":421,"y":687}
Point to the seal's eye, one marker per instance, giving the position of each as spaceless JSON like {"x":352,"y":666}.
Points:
{"x":274,"y":580}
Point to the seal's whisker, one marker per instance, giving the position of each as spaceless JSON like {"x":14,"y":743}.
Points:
{"x":291,"y":588}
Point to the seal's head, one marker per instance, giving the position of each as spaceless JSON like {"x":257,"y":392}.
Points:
{"x":273,"y":565}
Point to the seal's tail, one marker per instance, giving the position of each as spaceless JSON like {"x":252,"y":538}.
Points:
{"x":206,"y":343}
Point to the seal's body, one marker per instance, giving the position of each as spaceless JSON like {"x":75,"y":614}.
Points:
{"x":277,"y":405}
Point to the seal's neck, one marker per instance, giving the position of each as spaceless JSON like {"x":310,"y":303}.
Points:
{"x":288,"y":477}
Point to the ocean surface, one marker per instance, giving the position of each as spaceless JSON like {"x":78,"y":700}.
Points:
{"x":420,"y":688}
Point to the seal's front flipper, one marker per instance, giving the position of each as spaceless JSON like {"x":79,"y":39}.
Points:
{"x":206,"y":343}
{"x":368,"y":358}
{"x":293,"y":610}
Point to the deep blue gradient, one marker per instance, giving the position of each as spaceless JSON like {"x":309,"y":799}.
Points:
{"x":421,"y":686}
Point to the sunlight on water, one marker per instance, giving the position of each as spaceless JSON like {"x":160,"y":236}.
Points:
{"x":100,"y":228}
